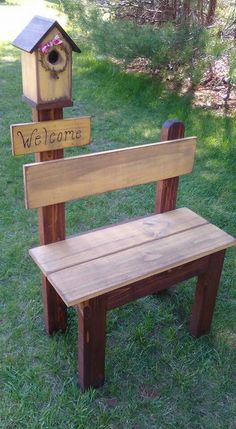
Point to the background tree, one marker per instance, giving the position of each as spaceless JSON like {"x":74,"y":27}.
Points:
{"x":178,"y":40}
{"x":211,"y":12}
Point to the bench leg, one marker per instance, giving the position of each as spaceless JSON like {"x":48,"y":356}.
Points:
{"x":205,"y":295}
{"x":91,"y":342}
{"x":55,"y":311}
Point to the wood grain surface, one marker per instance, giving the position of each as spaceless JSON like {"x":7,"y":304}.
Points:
{"x":155,"y":284}
{"x":91,"y":342}
{"x":51,"y":229}
{"x":166,"y":194}
{"x":95,"y":244}
{"x":86,"y":280}
{"x":50,"y":135}
{"x":205,"y":295}
{"x":76,"y":177}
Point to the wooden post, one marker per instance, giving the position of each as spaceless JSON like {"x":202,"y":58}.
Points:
{"x":205,"y":296}
{"x":46,"y":60}
{"x":91,"y":342}
{"x":166,"y":194}
{"x":51,"y":229}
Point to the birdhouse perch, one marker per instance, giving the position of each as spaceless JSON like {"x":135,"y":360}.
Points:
{"x":46,"y":61}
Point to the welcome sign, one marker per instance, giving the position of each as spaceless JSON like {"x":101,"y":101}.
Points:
{"x":49,"y":135}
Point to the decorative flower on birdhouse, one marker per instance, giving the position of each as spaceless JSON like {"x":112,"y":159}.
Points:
{"x":54,"y":56}
{"x":44,"y":48}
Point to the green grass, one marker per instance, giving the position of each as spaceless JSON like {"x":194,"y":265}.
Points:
{"x":157,"y":376}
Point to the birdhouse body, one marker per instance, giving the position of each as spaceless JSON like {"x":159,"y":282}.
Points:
{"x":29,"y":76}
{"x":46,"y":64}
{"x":46,"y":77}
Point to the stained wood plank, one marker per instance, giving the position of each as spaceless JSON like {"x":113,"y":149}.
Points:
{"x":29,"y":72}
{"x":167,"y":189}
{"x":50,"y":135}
{"x":51,"y":229}
{"x":205,"y":296}
{"x":90,"y":279}
{"x":95,"y":244}
{"x":156,"y":283}
{"x":91,"y":342}
{"x":60,"y":181}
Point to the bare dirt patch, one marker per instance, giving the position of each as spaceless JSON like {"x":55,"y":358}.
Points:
{"x":215,"y":92}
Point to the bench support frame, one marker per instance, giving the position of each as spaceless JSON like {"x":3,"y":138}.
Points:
{"x":51,"y":229}
{"x":205,"y":296}
{"x":91,"y":342}
{"x":92,"y":314}
{"x":166,"y":193}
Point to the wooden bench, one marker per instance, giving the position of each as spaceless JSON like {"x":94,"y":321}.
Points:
{"x":106,"y":268}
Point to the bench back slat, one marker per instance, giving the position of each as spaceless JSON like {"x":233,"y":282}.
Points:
{"x":63,"y":180}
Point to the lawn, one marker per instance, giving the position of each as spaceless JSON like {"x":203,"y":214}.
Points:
{"x":157,"y":375}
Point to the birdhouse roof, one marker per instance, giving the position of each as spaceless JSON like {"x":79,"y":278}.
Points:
{"x":34,"y":33}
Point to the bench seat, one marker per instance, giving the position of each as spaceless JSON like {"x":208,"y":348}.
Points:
{"x":94,"y":263}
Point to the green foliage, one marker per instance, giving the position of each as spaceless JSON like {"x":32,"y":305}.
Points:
{"x":228,"y":33}
{"x":173,"y":51}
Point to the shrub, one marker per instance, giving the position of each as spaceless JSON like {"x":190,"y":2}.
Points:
{"x":178,"y":50}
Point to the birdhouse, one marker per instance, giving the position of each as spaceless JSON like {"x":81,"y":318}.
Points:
{"x":46,"y":61}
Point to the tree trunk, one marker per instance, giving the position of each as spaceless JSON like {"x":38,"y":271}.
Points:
{"x":174,"y":9}
{"x":186,"y":8}
{"x":211,"y":12}
{"x":200,"y":13}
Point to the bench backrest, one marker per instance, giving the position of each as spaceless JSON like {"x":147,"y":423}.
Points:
{"x":62,"y":180}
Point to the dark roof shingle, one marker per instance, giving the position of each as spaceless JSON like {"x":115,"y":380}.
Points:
{"x":33,"y":34}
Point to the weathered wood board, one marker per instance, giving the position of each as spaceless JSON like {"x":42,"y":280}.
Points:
{"x":49,"y":135}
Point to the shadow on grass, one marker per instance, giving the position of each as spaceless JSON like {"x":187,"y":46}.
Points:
{"x":144,"y":101}
{"x":129,"y":109}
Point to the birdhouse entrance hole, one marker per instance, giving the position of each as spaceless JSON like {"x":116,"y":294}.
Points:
{"x":55,"y":61}
{"x":53,"y":57}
